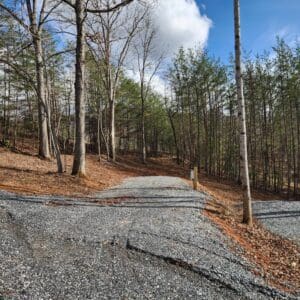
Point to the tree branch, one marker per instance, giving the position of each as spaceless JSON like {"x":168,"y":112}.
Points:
{"x":15,"y":16}
{"x":110,"y":9}
{"x":45,"y":16}
{"x":20,"y":72}
{"x":60,"y":52}
{"x":100,"y":11}
{"x":69,"y":3}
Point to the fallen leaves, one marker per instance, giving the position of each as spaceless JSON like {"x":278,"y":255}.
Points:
{"x":276,"y":259}
{"x":27,"y":174}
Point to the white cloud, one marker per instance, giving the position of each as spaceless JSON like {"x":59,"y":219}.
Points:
{"x":268,"y":38}
{"x":157,"y":83}
{"x":180,"y":23}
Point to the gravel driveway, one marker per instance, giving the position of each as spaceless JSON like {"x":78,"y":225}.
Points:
{"x":280,"y":217}
{"x":155,"y":244}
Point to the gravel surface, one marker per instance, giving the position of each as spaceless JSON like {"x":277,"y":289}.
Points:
{"x":155,"y":244}
{"x":280,"y":217}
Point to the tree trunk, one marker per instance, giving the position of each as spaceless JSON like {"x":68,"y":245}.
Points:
{"x":99,"y":120}
{"x":56,"y":149}
{"x":112,"y":142}
{"x":247,"y":209}
{"x":44,"y":150}
{"x":51,"y":128}
{"x":144,"y":154}
{"x":79,"y":151}
{"x":174,"y":136}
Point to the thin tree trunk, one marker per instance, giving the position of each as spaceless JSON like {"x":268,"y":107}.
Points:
{"x":53,"y":134}
{"x":44,"y":150}
{"x":144,"y":154}
{"x":56,"y":149}
{"x":99,"y":119}
{"x":247,"y":209}
{"x":174,"y":136}
{"x":112,"y":143}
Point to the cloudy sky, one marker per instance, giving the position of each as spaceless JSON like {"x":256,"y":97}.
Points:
{"x":181,"y":23}
{"x":210,"y":23}
{"x":261,"y":20}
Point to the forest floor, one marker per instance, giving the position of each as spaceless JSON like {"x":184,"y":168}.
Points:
{"x":277,"y":259}
{"x":23,"y":172}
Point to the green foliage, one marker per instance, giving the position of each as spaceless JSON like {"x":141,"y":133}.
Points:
{"x":203,"y":109}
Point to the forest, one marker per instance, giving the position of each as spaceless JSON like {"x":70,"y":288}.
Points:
{"x":73,"y":91}
{"x":149,"y":149}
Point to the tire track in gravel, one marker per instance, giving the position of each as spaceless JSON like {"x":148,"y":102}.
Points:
{"x":153,"y":244}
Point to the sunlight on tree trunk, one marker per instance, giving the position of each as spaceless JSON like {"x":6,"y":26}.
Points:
{"x":247,"y":209}
{"x":79,"y":155}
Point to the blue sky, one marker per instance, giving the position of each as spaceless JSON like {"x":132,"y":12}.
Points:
{"x":261,"y":20}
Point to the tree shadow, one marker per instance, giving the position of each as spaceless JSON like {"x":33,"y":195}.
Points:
{"x":277,"y":214}
{"x":102,"y":204}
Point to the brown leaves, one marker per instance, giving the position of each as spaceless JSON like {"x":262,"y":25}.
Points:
{"x":276,"y":259}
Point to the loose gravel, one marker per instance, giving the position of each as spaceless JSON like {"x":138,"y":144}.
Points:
{"x":280,"y":217}
{"x":154,"y":244}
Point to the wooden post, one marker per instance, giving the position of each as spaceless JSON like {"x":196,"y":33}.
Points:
{"x":195,"y":179}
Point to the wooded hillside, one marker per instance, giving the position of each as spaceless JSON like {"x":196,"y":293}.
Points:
{"x":195,"y":120}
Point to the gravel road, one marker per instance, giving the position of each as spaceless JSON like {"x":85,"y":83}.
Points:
{"x":155,"y":244}
{"x":280,"y":217}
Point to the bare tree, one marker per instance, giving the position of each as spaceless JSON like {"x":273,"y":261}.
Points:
{"x":36,"y":20}
{"x":110,"y":37}
{"x":148,"y":64}
{"x":247,"y":209}
{"x":81,"y":10}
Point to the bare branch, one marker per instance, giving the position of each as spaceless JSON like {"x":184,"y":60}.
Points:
{"x":15,"y":16}
{"x":60,"y":52}
{"x":100,"y":11}
{"x":45,"y":16}
{"x":69,"y":3}
{"x":110,"y":9}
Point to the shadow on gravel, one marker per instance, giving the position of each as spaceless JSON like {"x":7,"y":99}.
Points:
{"x":146,"y":239}
{"x":157,"y":197}
{"x":152,"y":188}
{"x":277,"y":214}
{"x":123,"y":204}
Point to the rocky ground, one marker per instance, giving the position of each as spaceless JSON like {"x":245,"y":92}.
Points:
{"x":280,"y":217}
{"x":144,"y":239}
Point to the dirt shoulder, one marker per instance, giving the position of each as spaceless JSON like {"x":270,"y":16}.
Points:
{"x":277,"y":259}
